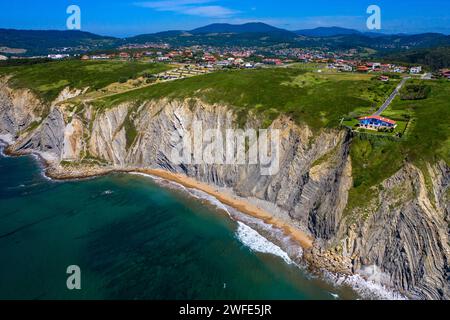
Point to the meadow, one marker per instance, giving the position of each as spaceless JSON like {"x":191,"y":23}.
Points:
{"x":318,"y":99}
{"x":315,"y":99}
{"x":427,"y":141}
{"x":49,"y":79}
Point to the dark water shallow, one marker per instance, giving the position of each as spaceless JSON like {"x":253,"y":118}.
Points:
{"x":132,"y":239}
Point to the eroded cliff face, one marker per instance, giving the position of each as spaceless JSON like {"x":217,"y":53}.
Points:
{"x":401,"y":240}
{"x":404,"y":241}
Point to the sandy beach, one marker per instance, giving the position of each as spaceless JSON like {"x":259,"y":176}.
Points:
{"x":240,"y":205}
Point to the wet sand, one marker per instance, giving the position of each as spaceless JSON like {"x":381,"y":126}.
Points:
{"x":243,"y":206}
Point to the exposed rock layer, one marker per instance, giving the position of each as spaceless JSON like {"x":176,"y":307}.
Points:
{"x":401,"y":241}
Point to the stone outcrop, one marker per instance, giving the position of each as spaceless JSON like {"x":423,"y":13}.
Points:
{"x":401,"y":242}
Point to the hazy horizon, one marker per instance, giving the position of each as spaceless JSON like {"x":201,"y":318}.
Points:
{"x":200,"y":26}
{"x":124,"y":18}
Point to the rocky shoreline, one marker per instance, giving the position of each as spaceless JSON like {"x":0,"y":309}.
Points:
{"x":316,"y":260}
{"x":402,"y":233}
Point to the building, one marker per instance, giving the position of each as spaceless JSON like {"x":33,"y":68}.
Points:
{"x":384,"y":78}
{"x":344,"y":67}
{"x":163,"y":59}
{"x":3,"y":57}
{"x":363,"y":69}
{"x":415,"y":70}
{"x":276,"y":62}
{"x":376,"y":122}
{"x":445,"y":73}
{"x":58,"y":56}
{"x":100,"y":57}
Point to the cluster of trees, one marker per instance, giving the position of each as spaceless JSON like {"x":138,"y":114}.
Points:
{"x":23,"y":62}
{"x":387,"y":130}
{"x":415,"y":92}
{"x":434,"y":58}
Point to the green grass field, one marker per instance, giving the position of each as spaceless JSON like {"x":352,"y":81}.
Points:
{"x":317,"y":100}
{"x":320,"y":100}
{"x":49,"y":79}
{"x":427,"y":140}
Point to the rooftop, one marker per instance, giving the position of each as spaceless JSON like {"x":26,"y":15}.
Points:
{"x":379,"y":118}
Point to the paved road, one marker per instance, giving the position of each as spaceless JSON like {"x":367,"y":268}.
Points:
{"x":391,"y":97}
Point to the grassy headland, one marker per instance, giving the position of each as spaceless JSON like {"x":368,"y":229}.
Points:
{"x":49,"y":79}
{"x":427,"y":141}
{"x":320,"y":100}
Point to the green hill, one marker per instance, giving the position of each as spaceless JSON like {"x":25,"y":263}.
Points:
{"x":49,"y":79}
{"x":42,"y":42}
{"x":319,"y":100}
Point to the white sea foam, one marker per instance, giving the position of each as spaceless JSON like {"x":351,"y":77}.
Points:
{"x":245,"y":234}
{"x":334,"y":295}
{"x":198,"y":194}
{"x":2,"y":149}
{"x":6,"y":139}
{"x":257,"y":243}
{"x":365,"y":288}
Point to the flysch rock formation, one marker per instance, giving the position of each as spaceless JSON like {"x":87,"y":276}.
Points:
{"x":401,"y":240}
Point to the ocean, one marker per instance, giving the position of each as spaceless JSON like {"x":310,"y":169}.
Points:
{"x":134,"y":237}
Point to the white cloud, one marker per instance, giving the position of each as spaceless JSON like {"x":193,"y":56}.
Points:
{"x":190,"y":7}
{"x":210,"y":11}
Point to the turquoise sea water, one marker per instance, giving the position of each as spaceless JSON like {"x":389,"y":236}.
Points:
{"x":132,"y":239}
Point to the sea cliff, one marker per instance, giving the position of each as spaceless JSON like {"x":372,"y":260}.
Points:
{"x":400,"y":238}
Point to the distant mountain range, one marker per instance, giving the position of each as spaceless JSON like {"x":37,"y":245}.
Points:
{"x":326,"y":32}
{"x":249,"y":34}
{"x":255,"y":27}
{"x":260,"y":34}
{"x":37,"y":42}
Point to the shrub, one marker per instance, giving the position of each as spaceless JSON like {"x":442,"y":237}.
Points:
{"x":415,"y":92}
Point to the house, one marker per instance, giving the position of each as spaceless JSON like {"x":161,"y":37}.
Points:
{"x":376,"y":66}
{"x":344,"y":67}
{"x":124,"y":55}
{"x":100,"y":57}
{"x":209,"y":58}
{"x":400,"y":69}
{"x":415,"y":70}
{"x":384,"y":78}
{"x":58,"y":56}
{"x":445,"y":73}
{"x":376,"y":122}
{"x":362,"y":69}
{"x":163,"y":59}
{"x":223,"y":63}
{"x":276,"y":62}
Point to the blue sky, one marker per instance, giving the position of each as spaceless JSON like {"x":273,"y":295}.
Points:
{"x":128,"y":17}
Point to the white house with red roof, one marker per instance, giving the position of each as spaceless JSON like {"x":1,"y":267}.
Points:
{"x":376,"y":122}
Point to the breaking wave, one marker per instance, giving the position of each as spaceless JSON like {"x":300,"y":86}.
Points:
{"x":365,"y":288}
{"x":257,"y":243}
{"x":245,"y":234}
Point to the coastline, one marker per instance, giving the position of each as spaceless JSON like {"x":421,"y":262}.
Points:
{"x":246,"y":207}
{"x":326,"y":265}
{"x":242,"y":206}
